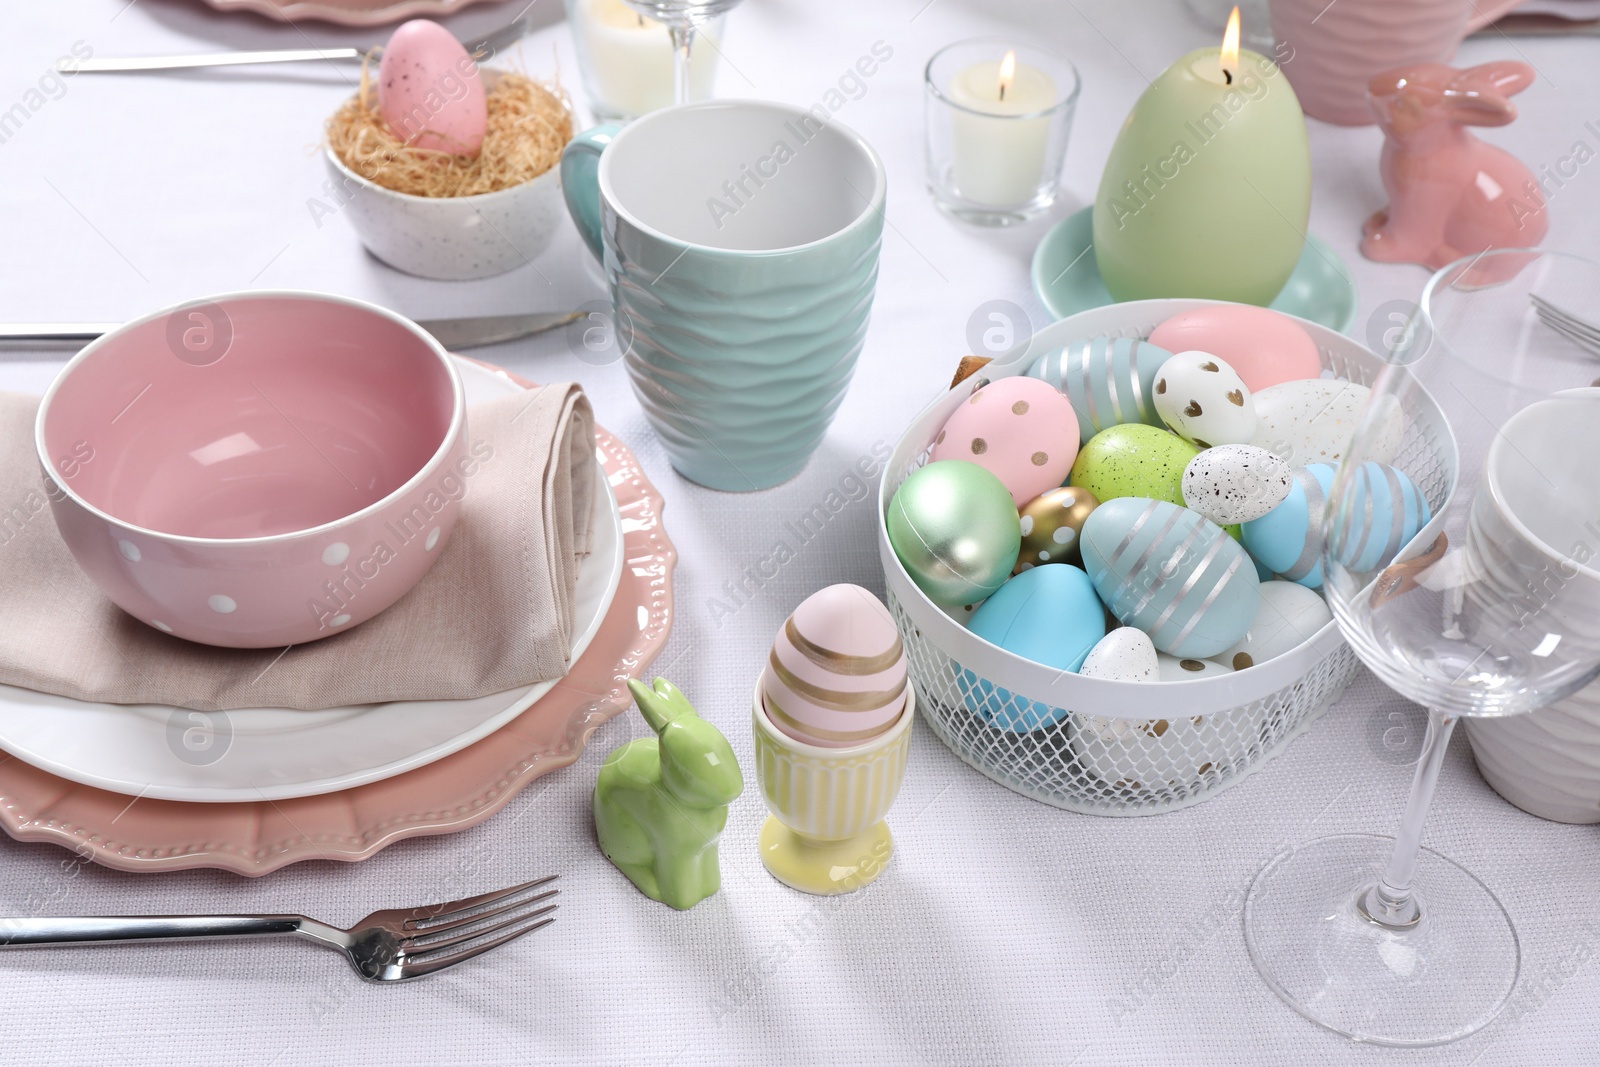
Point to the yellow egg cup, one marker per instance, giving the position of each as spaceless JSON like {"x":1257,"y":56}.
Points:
{"x":826,"y":834}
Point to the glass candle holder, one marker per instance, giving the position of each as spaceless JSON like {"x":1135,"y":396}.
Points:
{"x":998,"y":118}
{"x":625,"y":59}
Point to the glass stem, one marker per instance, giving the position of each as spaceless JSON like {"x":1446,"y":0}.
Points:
{"x":682,"y":42}
{"x":1392,"y":902}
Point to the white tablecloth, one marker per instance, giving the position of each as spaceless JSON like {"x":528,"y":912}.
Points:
{"x":1004,"y":931}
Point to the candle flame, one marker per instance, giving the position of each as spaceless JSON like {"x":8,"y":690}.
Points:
{"x":1008,"y":71}
{"x":1229,"y":57}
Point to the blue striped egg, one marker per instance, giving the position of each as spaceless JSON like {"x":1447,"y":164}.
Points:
{"x":1387,"y":510}
{"x":1171,"y":572}
{"x":1050,"y":615}
{"x":1110,"y":381}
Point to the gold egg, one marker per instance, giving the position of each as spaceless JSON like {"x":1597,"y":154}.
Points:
{"x":1051,"y":523}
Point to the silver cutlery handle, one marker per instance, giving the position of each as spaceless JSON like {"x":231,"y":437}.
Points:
{"x":55,"y":331}
{"x":220,"y":59}
{"x":65,"y":930}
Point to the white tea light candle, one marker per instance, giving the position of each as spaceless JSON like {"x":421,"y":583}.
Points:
{"x":997,"y":156}
{"x":627,"y":58}
{"x":998,"y":118}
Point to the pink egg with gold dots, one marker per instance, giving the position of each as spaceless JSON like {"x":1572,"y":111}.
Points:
{"x":1022,"y":430}
{"x":1263,"y":346}
{"x":836,"y":676}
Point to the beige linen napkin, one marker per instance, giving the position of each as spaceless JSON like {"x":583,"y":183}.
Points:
{"x":494,"y":613}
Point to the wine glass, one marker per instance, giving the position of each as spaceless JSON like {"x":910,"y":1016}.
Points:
{"x":682,"y":18}
{"x":1491,"y":608}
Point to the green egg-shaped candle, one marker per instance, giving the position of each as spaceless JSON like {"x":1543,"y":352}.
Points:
{"x":1208,"y":187}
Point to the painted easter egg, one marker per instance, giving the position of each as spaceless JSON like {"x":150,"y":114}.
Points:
{"x":1313,"y":422}
{"x":1050,"y":615}
{"x":836,"y":675}
{"x":955,"y":530}
{"x":1133,"y":460}
{"x":1289,"y":615}
{"x":1383,"y":511}
{"x":1264,"y":346}
{"x":429,"y":91}
{"x":1123,"y":655}
{"x":1389,"y":510}
{"x":1019,"y":429}
{"x":1108,"y":380}
{"x":1288,"y":539}
{"x":1187,"y":668}
{"x":1051,"y":525}
{"x":1203,"y":401}
{"x":961,"y":613}
{"x":1176,"y":750}
{"x":1235,"y":483}
{"x":1172,"y":573}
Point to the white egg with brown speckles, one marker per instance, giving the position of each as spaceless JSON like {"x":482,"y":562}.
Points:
{"x":1235,"y":483}
{"x":1123,"y":655}
{"x":1309,"y":422}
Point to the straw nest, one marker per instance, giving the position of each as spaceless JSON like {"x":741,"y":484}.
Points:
{"x":529,"y":123}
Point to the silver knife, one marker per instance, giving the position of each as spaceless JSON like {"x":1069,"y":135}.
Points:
{"x":216,"y":59}
{"x":452,"y":333}
{"x":503,"y":37}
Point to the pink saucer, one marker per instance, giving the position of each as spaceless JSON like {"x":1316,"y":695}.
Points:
{"x":345,"y":12}
{"x":454,"y":793}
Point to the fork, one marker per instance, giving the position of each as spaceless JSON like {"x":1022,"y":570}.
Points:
{"x":386,"y":946}
{"x":506,"y":35}
{"x":1570,"y":326}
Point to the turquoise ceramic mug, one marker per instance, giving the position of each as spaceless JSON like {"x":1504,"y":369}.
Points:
{"x":740,"y":240}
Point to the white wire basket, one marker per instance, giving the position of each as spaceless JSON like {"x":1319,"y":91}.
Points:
{"x":1126,"y":748}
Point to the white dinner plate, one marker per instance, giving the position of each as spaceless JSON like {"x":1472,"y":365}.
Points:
{"x":255,"y":754}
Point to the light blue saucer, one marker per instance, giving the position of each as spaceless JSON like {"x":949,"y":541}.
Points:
{"x":1067,"y":279}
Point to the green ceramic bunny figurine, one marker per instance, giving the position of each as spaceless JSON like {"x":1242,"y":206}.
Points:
{"x":660,"y":803}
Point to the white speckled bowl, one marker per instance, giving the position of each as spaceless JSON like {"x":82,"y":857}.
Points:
{"x":455,"y":238}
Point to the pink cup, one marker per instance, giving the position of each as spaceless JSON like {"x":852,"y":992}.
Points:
{"x":257,"y":469}
{"x":1330,"y":51}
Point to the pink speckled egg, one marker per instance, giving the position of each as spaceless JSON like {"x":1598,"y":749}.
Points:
{"x":837,"y":673}
{"x":429,"y":91}
{"x":1264,"y":346}
{"x":1022,"y":430}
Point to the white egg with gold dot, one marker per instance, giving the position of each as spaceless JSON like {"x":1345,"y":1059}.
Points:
{"x":1289,"y":615}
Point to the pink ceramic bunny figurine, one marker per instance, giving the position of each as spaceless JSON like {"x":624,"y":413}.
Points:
{"x":1450,"y":195}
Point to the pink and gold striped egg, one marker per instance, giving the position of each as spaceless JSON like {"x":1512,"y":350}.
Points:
{"x":836,"y":676}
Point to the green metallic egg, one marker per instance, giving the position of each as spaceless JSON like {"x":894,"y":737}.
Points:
{"x":1133,"y":460}
{"x":955,"y":529}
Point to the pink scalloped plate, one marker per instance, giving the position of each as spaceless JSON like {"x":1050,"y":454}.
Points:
{"x":346,"y":12}
{"x":458,"y":791}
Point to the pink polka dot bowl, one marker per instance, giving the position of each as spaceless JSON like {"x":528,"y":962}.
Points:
{"x":257,"y":469}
